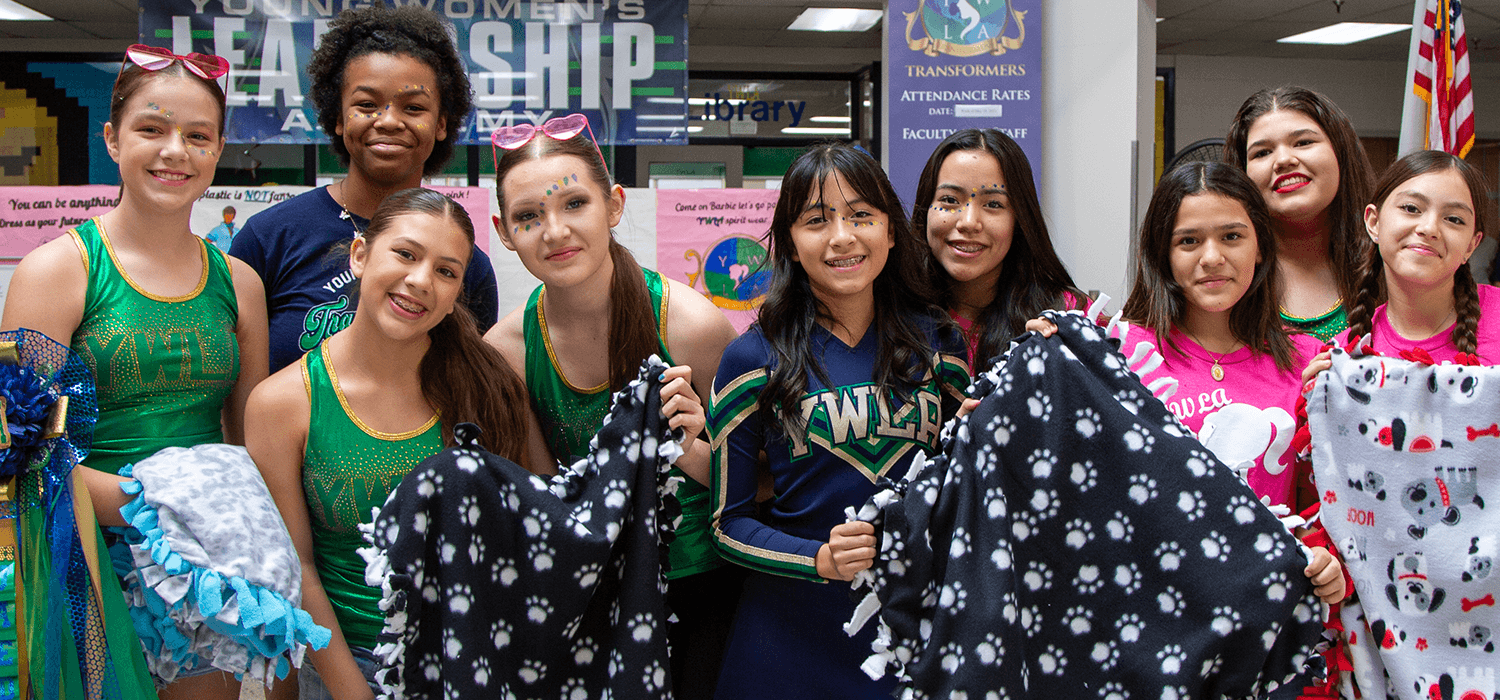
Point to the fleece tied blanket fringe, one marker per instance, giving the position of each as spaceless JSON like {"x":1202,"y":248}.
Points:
{"x":501,"y":584}
{"x":211,"y":575}
{"x":1405,"y":456}
{"x":1074,"y":540}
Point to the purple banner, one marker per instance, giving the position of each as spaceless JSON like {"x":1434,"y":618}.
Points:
{"x":960,"y":64}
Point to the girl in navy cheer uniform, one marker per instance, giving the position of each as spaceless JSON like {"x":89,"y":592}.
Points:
{"x":849,"y":373}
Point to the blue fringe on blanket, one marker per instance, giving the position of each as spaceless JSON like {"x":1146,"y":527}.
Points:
{"x":189,"y":616}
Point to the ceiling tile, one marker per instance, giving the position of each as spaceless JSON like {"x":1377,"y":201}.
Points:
{"x":745,"y":16}
{"x":1173,"y":8}
{"x":44,"y":30}
{"x":731,"y":37}
{"x":1239,"y":10}
{"x":1175,"y":30}
{"x":129,"y":31}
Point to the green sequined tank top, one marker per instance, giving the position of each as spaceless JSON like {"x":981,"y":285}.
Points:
{"x":163,"y":366}
{"x":1324,"y":326}
{"x":571,"y":415}
{"x":348,"y":470}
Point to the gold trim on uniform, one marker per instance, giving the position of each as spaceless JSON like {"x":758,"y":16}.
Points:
{"x":333,"y":379}
{"x":110,"y":248}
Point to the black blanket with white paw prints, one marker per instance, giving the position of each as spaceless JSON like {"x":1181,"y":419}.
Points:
{"x":501,"y":584}
{"x":1074,"y":540}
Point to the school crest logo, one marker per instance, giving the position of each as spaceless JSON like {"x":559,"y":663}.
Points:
{"x":734,"y":273}
{"x":965,"y":28}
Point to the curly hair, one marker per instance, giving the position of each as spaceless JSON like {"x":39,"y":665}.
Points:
{"x":408,"y":31}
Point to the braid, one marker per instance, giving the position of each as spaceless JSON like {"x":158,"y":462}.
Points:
{"x":1466,"y":303}
{"x":1371,"y":276}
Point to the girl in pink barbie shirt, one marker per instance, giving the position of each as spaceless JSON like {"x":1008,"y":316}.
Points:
{"x":1205,"y":298}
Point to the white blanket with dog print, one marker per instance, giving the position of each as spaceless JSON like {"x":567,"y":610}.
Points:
{"x":1406,"y":458}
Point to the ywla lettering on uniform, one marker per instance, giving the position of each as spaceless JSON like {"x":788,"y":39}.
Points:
{"x":164,"y":359}
{"x":844,"y":420}
{"x":323,"y":320}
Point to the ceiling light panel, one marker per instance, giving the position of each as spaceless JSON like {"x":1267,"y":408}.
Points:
{"x":835,"y":19}
{"x":1344,"y":33}
{"x":12,"y":10}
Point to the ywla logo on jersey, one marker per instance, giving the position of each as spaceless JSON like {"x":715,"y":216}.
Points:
{"x":965,"y":28}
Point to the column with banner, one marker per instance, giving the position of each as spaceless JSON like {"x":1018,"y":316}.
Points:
{"x":960,"y":64}
{"x":621,"y":62}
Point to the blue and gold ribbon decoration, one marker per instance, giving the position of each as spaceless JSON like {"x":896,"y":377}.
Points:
{"x":49,"y":408}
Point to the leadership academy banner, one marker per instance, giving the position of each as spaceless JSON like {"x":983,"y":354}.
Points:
{"x":959,"y":64}
{"x":621,"y":62}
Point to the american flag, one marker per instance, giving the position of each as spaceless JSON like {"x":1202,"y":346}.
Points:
{"x":1440,"y":78}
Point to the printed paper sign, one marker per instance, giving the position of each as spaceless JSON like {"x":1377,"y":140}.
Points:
{"x":715,"y":241}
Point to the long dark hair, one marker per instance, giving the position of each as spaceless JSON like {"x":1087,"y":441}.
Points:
{"x":1156,"y":300}
{"x":632,"y":325}
{"x":1372,"y":268}
{"x":463,"y":377}
{"x":405,"y":31}
{"x":790,"y":309}
{"x":1032,"y":277}
{"x":1347,"y":242}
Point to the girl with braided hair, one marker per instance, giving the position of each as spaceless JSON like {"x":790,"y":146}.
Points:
{"x":1426,"y":219}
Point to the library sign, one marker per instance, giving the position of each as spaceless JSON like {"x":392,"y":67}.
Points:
{"x":621,"y":62}
{"x":959,"y":64}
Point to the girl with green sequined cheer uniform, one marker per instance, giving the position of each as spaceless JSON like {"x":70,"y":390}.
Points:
{"x":583,"y":335}
{"x":1299,"y":148}
{"x":848,"y":374}
{"x":334,"y":433}
{"x":174,"y":329}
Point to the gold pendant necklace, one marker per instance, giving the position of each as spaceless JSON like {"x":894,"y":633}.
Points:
{"x":1217,"y":370}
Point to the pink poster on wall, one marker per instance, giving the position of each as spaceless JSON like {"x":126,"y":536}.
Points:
{"x":31,"y":216}
{"x":476,"y":201}
{"x":715,"y":241}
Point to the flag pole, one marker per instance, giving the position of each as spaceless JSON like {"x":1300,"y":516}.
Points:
{"x":1413,"y":107}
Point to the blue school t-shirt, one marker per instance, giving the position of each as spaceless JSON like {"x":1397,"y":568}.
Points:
{"x":309,"y":293}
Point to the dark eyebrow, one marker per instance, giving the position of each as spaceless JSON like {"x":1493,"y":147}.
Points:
{"x":1294,"y":134}
{"x":1424,"y":198}
{"x":813,"y":205}
{"x":422,"y":90}
{"x":152,"y":115}
{"x":413,"y":243}
{"x":987,"y":189}
{"x":1414,"y":195}
{"x":1220,"y":227}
